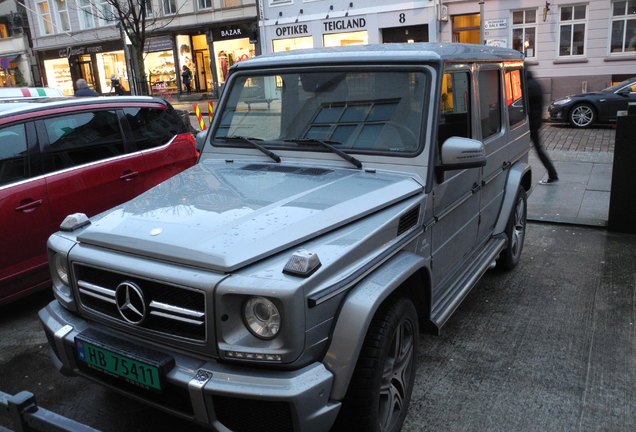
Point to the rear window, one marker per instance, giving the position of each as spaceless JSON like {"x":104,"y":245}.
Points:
{"x":81,"y":138}
{"x":153,"y":127}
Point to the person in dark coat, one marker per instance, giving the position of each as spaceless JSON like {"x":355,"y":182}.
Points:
{"x":82,"y":89}
{"x":115,"y":85}
{"x":186,"y":78}
{"x":535,"y":116}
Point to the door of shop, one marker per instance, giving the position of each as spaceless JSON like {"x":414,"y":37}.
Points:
{"x":204,"y":72}
{"x":86,"y":71}
{"x":418,"y":33}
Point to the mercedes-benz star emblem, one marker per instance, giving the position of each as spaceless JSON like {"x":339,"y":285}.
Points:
{"x":130,"y":302}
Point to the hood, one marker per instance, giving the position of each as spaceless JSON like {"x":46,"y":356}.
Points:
{"x":222,"y":216}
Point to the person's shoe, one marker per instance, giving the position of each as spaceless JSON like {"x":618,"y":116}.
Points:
{"x":549,"y":181}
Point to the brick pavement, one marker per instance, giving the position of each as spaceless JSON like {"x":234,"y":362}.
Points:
{"x":564,"y":138}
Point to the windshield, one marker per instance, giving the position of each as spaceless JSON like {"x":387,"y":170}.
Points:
{"x":354,"y":111}
{"x":621,"y":84}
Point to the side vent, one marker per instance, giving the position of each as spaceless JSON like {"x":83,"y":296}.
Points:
{"x":408,"y":220}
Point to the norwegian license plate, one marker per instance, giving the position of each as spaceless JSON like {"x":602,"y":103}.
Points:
{"x":144,"y":369}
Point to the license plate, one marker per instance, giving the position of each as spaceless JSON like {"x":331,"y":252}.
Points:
{"x":141,"y":373}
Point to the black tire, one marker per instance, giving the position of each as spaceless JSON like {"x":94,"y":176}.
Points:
{"x":516,"y":232}
{"x":382,"y":383}
{"x":582,"y":115}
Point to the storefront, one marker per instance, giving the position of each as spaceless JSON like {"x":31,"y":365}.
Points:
{"x":232,"y":44}
{"x":94,"y":63}
{"x":159,"y":66}
{"x":292,"y":37}
{"x":345,"y":31}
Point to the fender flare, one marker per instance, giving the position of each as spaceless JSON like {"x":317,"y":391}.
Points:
{"x":356,"y":313}
{"x":516,"y":177}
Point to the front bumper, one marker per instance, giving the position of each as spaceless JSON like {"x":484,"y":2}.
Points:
{"x":557,"y":112}
{"x":227,"y":397}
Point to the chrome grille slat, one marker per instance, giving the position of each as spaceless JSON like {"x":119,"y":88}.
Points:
{"x":174,"y":311}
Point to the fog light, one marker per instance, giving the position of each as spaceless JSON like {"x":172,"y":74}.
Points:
{"x":253,"y":356}
{"x":261,"y":317}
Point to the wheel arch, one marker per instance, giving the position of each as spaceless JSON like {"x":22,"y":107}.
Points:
{"x":405,"y":274}
{"x":520,"y":174}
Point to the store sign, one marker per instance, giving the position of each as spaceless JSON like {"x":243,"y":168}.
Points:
{"x":161,"y":43}
{"x":501,"y":23}
{"x":347,"y":24}
{"x":503,"y":43}
{"x":75,"y":51}
{"x":292,"y":30}
{"x":233,"y":32}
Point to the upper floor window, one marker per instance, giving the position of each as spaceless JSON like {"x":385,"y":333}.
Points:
{"x":205,"y":4}
{"x":524,"y":31}
{"x":169,"y":7}
{"x":572,"y":22}
{"x":623,"y":26}
{"x":105,"y":13}
{"x":86,"y":15}
{"x":61,"y":10}
{"x":46,"y":22}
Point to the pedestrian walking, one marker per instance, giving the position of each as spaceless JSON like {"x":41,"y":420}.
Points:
{"x":115,"y":86}
{"x":83,"y":90}
{"x":535,"y":116}
{"x":186,"y":77}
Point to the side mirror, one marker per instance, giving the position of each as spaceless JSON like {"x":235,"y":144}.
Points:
{"x":461,"y":153}
{"x":624,"y":92}
{"x":200,"y":140}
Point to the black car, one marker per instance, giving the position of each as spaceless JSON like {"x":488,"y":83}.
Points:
{"x":582,"y":110}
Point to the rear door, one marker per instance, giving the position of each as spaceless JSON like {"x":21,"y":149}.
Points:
{"x":90,"y":168}
{"x":24,"y":211}
{"x":164,"y":141}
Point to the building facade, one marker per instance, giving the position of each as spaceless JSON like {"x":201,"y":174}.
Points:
{"x":571,"y":46}
{"x":72,"y":40}
{"x":15,"y":55}
{"x":291,"y":24}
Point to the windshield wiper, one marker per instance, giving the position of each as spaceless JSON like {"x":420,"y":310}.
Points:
{"x":327,"y":145}
{"x":253,"y":143}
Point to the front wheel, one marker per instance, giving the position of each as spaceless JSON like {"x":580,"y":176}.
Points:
{"x":382,"y":382}
{"x":582,"y":115}
{"x":516,"y":232}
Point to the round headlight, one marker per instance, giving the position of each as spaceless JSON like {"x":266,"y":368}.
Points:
{"x":261,"y":317}
{"x":61,"y":268}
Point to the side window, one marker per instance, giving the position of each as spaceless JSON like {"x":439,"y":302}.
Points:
{"x":455,"y":106}
{"x":514,"y":97}
{"x":13,"y":154}
{"x":489,"y":102}
{"x":79,"y":138}
{"x":153,"y":127}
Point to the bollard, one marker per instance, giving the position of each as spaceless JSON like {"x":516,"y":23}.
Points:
{"x":622,"y":205}
{"x":210,"y":111}
{"x":199,"y":116}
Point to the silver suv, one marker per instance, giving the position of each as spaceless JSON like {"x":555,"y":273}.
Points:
{"x":346,"y":199}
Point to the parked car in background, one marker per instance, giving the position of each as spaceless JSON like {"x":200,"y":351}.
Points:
{"x":585,"y":109}
{"x":67,"y":155}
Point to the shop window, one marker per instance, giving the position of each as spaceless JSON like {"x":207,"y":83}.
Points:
{"x":342,"y":39}
{"x":58,"y":75}
{"x":44,"y":13}
{"x":152,"y":127}
{"x":514,"y":97}
{"x":466,"y":28}
{"x":293,"y":43}
{"x":61,"y":10}
{"x":455,"y":107}
{"x":524,"y":30}
{"x":169,"y":7}
{"x":623,"y":26}
{"x":489,"y":102}
{"x":81,"y":138}
{"x":13,"y":154}
{"x":572,"y":24}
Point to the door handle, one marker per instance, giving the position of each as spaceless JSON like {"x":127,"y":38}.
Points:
{"x":29,"y":205}
{"x":129,"y":175}
{"x":475,"y":187}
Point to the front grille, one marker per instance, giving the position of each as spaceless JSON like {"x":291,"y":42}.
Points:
{"x":170,"y":310}
{"x":246,"y":415}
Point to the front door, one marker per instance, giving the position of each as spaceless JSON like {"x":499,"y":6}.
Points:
{"x":204,"y":72}
{"x":86,"y":71}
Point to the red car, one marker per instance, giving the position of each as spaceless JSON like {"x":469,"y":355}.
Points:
{"x":62,"y":156}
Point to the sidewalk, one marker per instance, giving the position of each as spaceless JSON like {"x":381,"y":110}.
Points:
{"x":583,"y":158}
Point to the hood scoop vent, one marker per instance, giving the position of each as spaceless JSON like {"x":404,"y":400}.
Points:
{"x":408,"y":220}
{"x":287,"y":169}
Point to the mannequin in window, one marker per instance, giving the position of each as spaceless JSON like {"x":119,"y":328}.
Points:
{"x":224,"y":65}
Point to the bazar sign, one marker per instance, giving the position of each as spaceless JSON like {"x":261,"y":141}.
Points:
{"x":74,"y":51}
{"x":345,"y":24}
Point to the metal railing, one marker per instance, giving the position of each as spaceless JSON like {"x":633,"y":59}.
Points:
{"x":28,"y":417}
